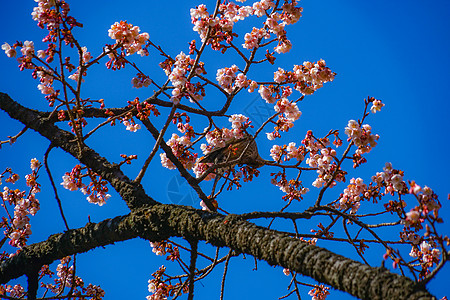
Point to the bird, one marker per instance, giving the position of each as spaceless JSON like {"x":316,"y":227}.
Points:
{"x":236,"y":151}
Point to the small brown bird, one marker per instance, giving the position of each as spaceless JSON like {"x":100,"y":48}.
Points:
{"x":240,"y":151}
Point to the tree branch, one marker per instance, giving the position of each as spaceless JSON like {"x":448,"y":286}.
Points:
{"x":160,"y":222}
{"x":132,"y":193}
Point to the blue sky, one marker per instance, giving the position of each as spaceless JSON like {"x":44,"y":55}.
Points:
{"x":397,"y":51}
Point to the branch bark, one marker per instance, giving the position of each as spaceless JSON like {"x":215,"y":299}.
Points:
{"x":160,"y":222}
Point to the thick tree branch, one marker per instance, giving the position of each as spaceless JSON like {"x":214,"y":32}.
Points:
{"x":160,"y":222}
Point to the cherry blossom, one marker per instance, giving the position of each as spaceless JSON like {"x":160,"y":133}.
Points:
{"x":131,"y":126}
{"x":139,"y":82}
{"x":28,"y":49}
{"x":128,"y":37}
{"x":180,"y":148}
{"x":376,"y":106}
{"x":352,"y":195}
{"x":266,"y":94}
{"x":227,"y":78}
{"x":68,"y":183}
{"x":294,"y":152}
{"x":86,"y":56}
{"x":9,"y":51}
{"x":261,"y":7}
{"x":320,"y":292}
{"x":276,"y":152}
{"x":279,"y":76}
{"x":311,"y":76}
{"x":362,"y":137}
{"x":16,"y":291}
{"x":252,"y":38}
{"x":76,"y":76}
{"x":289,"y":109}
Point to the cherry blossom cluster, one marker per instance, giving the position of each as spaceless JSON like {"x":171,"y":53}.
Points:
{"x":162,"y":248}
{"x":274,"y":23}
{"x":280,"y":92}
{"x":46,"y":80}
{"x":96,"y":190}
{"x":27,"y":50}
{"x":311,"y":76}
{"x":178,"y":77}
{"x":307,"y":78}
{"x":9,"y":51}
{"x":288,"y":109}
{"x":54,"y":13}
{"x":362,"y":137}
{"x":427,"y":252}
{"x":277,"y":21}
{"x":67,"y":279}
{"x":288,"y":113}
{"x":140,"y":81}
{"x":64,"y":272}
{"x":180,"y":147}
{"x":293,"y":188}
{"x":129,"y":38}
{"x":284,"y":45}
{"x":218,"y":28}
{"x":16,"y":291}
{"x":424,"y":246}
{"x":85,"y":55}
{"x":287,"y":152}
{"x":131,"y":125}
{"x":253,"y":38}
{"x":76,"y":76}
{"x":427,"y":256}
{"x":428,"y":204}
{"x":234,"y":13}
{"x":322,"y":157}
{"x":46,"y":14}
{"x":324,"y":163}
{"x":157,"y":286}
{"x":391,"y":180}
{"x":17,"y":227}
{"x":228,"y":80}
{"x":12,"y":178}
{"x":351,"y":197}
{"x":201,"y":20}
{"x":320,"y":292}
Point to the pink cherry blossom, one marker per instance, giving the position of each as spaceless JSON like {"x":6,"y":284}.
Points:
{"x":28,"y":49}
{"x":9,"y":51}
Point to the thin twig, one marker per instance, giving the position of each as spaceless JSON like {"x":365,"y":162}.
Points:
{"x":194,"y":246}
{"x":225,"y":269}
{"x":58,"y":200}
